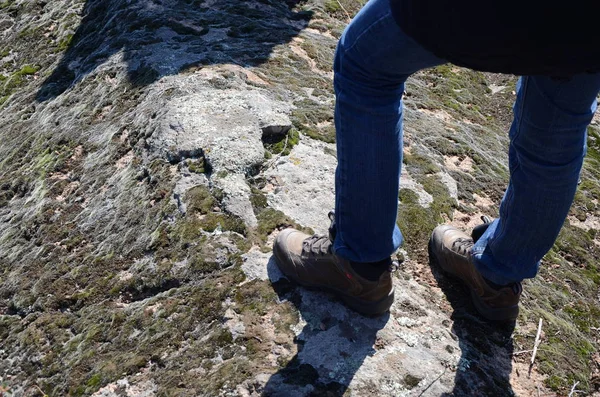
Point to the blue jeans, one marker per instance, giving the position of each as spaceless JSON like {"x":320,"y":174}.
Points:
{"x":547,"y":146}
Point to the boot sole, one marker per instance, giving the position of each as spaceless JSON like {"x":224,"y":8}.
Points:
{"x":364,"y":307}
{"x":502,"y":314}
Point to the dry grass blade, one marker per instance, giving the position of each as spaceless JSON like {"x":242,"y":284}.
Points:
{"x":345,"y":11}
{"x":573,"y":391}
{"x":520,"y":352}
{"x":535,"y":346}
{"x":431,"y":384}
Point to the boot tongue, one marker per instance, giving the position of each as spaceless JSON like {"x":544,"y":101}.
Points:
{"x":332,"y":230}
{"x":478,"y":230}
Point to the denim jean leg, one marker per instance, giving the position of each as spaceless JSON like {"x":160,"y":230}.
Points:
{"x":373,"y":60}
{"x":547,"y":147}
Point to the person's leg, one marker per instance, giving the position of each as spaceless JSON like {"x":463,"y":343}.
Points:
{"x":373,"y":60}
{"x":546,"y":153}
{"x":547,"y":146}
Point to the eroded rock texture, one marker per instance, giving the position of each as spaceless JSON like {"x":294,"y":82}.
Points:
{"x":152,"y":149}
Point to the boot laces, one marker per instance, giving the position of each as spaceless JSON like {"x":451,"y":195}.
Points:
{"x":317,"y":245}
{"x":462,"y":245}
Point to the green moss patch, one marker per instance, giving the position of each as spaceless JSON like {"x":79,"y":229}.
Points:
{"x":257,"y":297}
{"x":460,"y":91}
{"x":314,"y":120}
{"x":321,"y":53}
{"x":416,"y":223}
{"x":281,"y":143}
{"x":199,"y":199}
{"x":270,"y":219}
{"x":421,"y":164}
{"x":198,"y":165}
{"x":16,"y":80}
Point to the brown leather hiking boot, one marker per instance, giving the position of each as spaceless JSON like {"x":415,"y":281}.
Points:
{"x":310,"y":261}
{"x":451,"y":249}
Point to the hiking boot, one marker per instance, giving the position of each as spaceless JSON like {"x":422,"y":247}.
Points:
{"x":311,"y":262}
{"x":478,"y":230}
{"x":451,"y":249}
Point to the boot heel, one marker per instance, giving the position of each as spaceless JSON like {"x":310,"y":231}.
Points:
{"x":369,"y":308}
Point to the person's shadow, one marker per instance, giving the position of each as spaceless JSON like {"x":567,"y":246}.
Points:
{"x":332,"y":345}
{"x":486,"y":348}
{"x":155,"y":38}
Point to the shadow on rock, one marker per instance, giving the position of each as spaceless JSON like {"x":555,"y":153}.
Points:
{"x":486,"y":348}
{"x":332,"y":346}
{"x":164,"y":37}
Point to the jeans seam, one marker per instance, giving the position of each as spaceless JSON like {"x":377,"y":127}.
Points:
{"x":365,"y":31}
{"x":341,"y":164}
{"x":501,"y":232}
{"x":525,"y":88}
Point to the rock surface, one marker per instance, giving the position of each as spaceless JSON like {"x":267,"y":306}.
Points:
{"x":152,"y":150}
